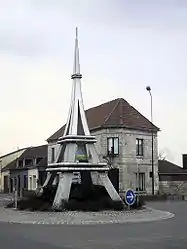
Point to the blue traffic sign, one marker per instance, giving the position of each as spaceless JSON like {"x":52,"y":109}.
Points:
{"x":130,"y":197}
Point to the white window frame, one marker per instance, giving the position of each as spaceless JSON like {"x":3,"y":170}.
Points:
{"x":113,"y":142}
{"x":52,"y":154}
{"x":34,"y":182}
{"x":139,"y":147}
{"x":140,"y":183}
{"x":30,"y":182}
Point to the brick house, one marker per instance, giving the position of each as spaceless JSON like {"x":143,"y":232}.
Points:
{"x":121,"y":129}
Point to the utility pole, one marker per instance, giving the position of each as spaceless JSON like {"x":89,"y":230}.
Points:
{"x":1,"y":175}
{"x":138,"y":182}
{"x":148,"y":88}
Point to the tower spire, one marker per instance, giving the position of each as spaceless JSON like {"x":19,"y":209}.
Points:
{"x":76,"y":68}
{"x":76,"y":123}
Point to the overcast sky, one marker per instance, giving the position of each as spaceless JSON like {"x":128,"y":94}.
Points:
{"x":124,"y":46}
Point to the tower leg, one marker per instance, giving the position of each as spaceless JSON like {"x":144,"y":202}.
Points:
{"x":109,"y":187}
{"x":63,"y":190}
{"x":49,"y":179}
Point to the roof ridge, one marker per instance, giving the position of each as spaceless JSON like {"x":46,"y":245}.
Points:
{"x":174,"y":164}
{"x":171,"y":163}
{"x":15,"y":151}
{"x":107,"y":118}
{"x":105,"y":103}
{"x":121,"y":111}
{"x":143,"y":116}
{"x":37,"y":146}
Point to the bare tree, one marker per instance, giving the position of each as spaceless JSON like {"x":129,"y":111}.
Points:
{"x":161,"y":156}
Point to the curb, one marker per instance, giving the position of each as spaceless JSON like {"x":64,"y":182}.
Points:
{"x":75,"y":218}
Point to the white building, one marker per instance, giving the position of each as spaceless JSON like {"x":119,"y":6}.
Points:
{"x":117,"y":124}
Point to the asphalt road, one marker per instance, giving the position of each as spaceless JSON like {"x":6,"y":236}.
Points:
{"x":166,"y":234}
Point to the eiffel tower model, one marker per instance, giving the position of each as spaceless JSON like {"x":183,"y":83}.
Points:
{"x":77,"y":151}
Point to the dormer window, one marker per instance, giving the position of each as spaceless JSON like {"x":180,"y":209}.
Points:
{"x":28,"y":162}
{"x":38,"y":159}
{"x":20,"y":164}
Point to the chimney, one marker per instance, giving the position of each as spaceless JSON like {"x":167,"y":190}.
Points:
{"x":184,"y":161}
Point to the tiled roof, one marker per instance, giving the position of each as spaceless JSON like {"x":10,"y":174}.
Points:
{"x":43,"y":162}
{"x":10,"y":166}
{"x":13,"y":152}
{"x":37,"y":151}
{"x":166,"y":167}
{"x":30,"y":153}
{"x":113,"y":114}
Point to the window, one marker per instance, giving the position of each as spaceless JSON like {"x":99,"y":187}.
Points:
{"x":38,"y":160}
{"x":19,"y":183}
{"x":140,"y":183}
{"x":11,"y":184}
{"x":30,"y":182}
{"x":15,"y":182}
{"x":25,"y":182}
{"x":20,"y":164}
{"x":52,"y":155}
{"x":113,"y":146}
{"x":28,"y":162}
{"x":34,"y":182}
{"x":139,"y":147}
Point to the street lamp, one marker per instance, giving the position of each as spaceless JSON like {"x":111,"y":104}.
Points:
{"x":148,"y":88}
